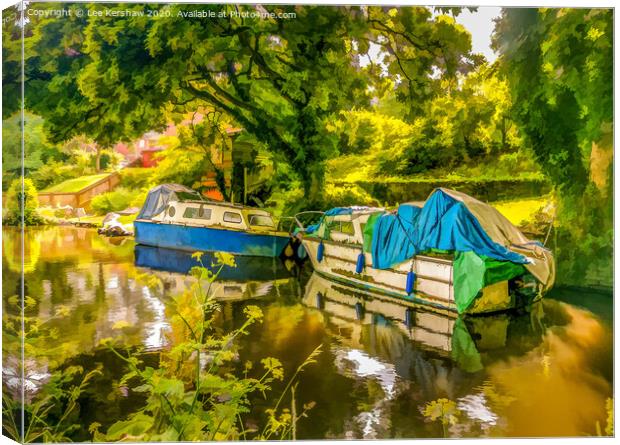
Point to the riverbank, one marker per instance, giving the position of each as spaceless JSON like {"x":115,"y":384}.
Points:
{"x":51,"y":217}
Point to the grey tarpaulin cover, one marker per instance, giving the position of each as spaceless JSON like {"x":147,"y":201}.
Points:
{"x":159,"y":197}
{"x":540,"y":260}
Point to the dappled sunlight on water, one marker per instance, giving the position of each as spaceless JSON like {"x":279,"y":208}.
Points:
{"x":382,"y":365}
{"x":556,"y":380}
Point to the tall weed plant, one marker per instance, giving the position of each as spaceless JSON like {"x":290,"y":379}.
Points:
{"x":197,"y":392}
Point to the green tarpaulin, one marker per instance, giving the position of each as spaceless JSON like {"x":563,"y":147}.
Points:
{"x":464,"y":351}
{"x":368,"y":230}
{"x":472,"y":272}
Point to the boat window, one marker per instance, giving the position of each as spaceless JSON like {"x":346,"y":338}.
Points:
{"x":345,"y":227}
{"x":232,"y":217}
{"x":171,"y":211}
{"x":197,"y":213}
{"x":261,"y":220}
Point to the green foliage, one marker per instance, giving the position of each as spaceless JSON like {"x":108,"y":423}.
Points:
{"x":54,"y":172}
{"x":136,"y":178}
{"x":44,"y":162}
{"x":52,"y":415}
{"x":195,"y":393}
{"x":559,"y":66}
{"x":466,"y":126}
{"x":179,"y":165}
{"x":22,"y":203}
{"x":444,"y":411}
{"x":37,"y":149}
{"x":281,"y":80}
{"x":108,"y":160}
{"x":200,"y":148}
{"x":347,"y":195}
{"x":114,"y":201}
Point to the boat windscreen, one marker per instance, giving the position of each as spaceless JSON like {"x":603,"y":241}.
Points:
{"x":261,"y":220}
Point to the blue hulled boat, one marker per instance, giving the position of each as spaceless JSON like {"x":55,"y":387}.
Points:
{"x":176,"y":217}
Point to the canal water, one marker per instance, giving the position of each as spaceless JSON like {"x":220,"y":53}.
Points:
{"x":547,"y":372}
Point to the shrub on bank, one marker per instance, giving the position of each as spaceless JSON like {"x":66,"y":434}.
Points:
{"x":13,"y":213}
{"x":345,"y":195}
{"x":114,"y":201}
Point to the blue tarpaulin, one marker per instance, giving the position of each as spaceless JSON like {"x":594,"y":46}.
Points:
{"x":443,"y":223}
{"x":339,"y":211}
{"x":159,"y":197}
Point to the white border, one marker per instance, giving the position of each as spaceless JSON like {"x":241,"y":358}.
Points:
{"x":522,"y":3}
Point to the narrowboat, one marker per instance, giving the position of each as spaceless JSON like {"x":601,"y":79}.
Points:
{"x":176,"y":217}
{"x":451,"y":252}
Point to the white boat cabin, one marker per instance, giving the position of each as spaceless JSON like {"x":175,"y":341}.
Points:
{"x":212,"y":214}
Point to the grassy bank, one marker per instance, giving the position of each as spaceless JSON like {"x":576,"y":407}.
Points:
{"x":521,"y":211}
{"x":75,"y":185}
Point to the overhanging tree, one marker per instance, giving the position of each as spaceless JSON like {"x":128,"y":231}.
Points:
{"x":559,"y":64}
{"x":113,"y":78}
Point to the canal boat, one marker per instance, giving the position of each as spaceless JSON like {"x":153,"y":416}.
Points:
{"x":176,"y":217}
{"x":451,"y":252}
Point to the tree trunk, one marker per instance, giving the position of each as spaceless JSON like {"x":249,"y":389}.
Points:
{"x":314,"y":184}
{"x":220,"y":180}
{"x":98,"y":160}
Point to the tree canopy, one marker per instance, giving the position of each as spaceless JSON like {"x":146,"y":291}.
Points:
{"x":559,"y":64}
{"x":113,"y":78}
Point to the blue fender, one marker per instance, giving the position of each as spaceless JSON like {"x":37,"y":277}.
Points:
{"x":319,"y":252}
{"x":410,"y":282}
{"x":359,"y":267}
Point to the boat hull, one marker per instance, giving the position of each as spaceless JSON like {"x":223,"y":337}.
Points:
{"x":433,"y":285}
{"x":207,"y":239}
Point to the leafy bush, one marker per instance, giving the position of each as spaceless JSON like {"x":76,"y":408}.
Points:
{"x":347,"y":195}
{"x":108,"y":160}
{"x":118,"y":199}
{"x":192,"y":395}
{"x":139,"y":196}
{"x":30,"y":202}
{"x":54,"y":173}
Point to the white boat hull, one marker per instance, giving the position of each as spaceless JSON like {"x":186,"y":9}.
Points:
{"x":434,"y":285}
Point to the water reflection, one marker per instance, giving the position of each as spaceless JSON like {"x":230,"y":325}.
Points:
{"x":177,"y":261}
{"x":493,"y":367}
{"x":383,"y":360}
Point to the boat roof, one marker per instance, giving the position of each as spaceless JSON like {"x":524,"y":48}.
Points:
{"x":357,"y":210}
{"x":223,"y":204}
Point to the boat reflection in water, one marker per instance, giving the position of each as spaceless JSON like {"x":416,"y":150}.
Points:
{"x":436,"y":355}
{"x":251,"y":278}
